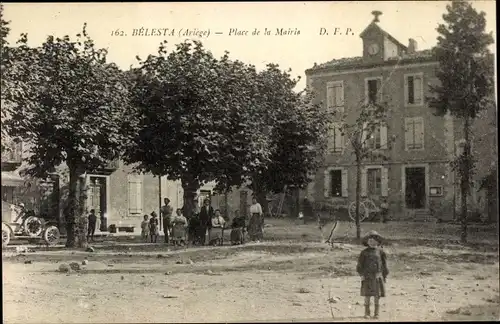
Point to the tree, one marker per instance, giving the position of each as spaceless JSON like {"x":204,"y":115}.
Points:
{"x":196,"y":119}
{"x":5,"y":78}
{"x":371,"y":118}
{"x":466,"y":81}
{"x":70,"y":112}
{"x":297,"y":129}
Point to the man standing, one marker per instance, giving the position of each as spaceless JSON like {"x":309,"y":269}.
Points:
{"x":166,"y":212}
{"x":206,"y":214}
{"x":92,"y":225}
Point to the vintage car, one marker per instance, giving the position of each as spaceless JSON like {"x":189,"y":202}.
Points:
{"x":29,"y":226}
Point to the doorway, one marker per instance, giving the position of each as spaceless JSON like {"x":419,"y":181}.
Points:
{"x":415,"y":193}
{"x":97,"y":195}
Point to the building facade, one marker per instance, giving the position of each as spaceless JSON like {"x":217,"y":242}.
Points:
{"x":416,"y":178}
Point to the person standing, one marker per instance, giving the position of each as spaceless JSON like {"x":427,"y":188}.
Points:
{"x":373,"y":270}
{"x":384,"y":210}
{"x":92,"y":225}
{"x":256,"y":222}
{"x":153,"y":227}
{"x":166,"y":213}
{"x":206,"y":214}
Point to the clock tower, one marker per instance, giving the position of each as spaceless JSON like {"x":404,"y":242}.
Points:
{"x":378,"y":45}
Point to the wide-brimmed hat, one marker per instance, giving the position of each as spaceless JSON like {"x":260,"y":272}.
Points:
{"x":372,"y":234}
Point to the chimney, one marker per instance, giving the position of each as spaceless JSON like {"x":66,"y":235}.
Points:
{"x":412,"y":46}
{"x":376,"y":14}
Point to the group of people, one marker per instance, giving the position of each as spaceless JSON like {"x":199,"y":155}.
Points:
{"x":205,"y":222}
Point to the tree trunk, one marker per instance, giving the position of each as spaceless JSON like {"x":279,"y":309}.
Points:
{"x":358,"y":197}
{"x":226,"y":205}
{"x":82,"y":211}
{"x":71,"y":208}
{"x":190,"y":188}
{"x":76,"y":220}
{"x":464,"y":181}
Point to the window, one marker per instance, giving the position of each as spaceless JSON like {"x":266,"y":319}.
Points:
{"x":374,"y":181}
{"x":414,"y":95}
{"x":135,"y":194}
{"x":336,"y":183}
{"x":336,"y":138}
{"x":414,"y":133}
{"x":373,"y":88}
{"x":335,"y":96}
{"x":374,"y":142}
{"x":377,"y":139}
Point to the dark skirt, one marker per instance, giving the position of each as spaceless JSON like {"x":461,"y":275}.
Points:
{"x":237,"y":235}
{"x":373,"y":286}
{"x":255,"y":227}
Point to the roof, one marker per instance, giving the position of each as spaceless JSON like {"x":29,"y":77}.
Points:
{"x":357,"y":62}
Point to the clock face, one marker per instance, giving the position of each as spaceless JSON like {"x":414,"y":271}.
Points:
{"x":373,"y":49}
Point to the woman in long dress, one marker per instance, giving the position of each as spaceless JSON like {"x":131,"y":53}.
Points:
{"x":256,"y":221}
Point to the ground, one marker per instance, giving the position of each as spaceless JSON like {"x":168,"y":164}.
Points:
{"x":287,"y":278}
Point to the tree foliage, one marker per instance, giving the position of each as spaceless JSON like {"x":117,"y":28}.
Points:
{"x":196,"y":119}
{"x":69,"y":109}
{"x":297,"y":129}
{"x":466,"y":81}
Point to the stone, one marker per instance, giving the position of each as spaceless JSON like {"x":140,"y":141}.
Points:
{"x":75,"y":266}
{"x":64,"y":268}
{"x":85,"y":262}
{"x":27,"y":262}
{"x":90,"y":249}
{"x":122,"y":277}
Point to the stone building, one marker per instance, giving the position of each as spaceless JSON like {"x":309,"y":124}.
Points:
{"x":416,"y":178}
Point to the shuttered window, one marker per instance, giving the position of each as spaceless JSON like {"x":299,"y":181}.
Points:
{"x":335,"y":96}
{"x":414,"y":133}
{"x":414,"y":89}
{"x":135,"y":194}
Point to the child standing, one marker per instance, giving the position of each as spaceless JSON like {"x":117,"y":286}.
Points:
{"x":153,"y":227}
{"x":372,"y":267}
{"x":145,"y":228}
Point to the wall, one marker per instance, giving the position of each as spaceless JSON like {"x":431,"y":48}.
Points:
{"x":438,"y":131}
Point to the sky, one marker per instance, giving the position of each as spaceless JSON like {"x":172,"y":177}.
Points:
{"x":298,"y":51}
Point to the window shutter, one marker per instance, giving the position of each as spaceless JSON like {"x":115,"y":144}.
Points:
{"x":364,"y":133}
{"x":418,"y":89}
{"x":385,"y":181}
{"x":344,"y":183}
{"x":419,"y":132}
{"x":406,"y":90}
{"x":135,"y":194}
{"x":383,"y":136}
{"x":330,"y":96}
{"x":408,"y":133}
{"x":331,"y":138}
{"x":338,"y":137}
{"x":339,"y":97}
{"x":328,"y":182}
{"x":363,"y":182}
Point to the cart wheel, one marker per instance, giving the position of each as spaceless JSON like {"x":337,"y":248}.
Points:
{"x":5,"y":235}
{"x":363,"y":211}
{"x":51,"y":235}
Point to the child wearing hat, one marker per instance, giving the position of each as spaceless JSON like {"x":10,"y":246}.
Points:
{"x":372,"y":267}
